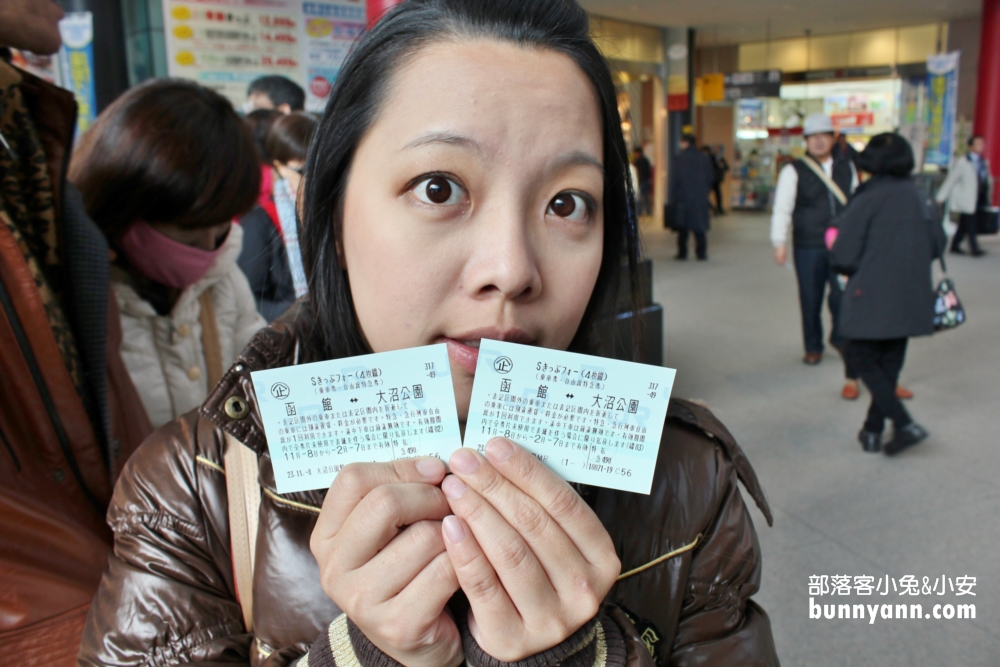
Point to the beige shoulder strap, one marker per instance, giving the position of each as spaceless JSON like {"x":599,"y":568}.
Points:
{"x":827,"y":181}
{"x":210,"y":345}
{"x":244,"y":514}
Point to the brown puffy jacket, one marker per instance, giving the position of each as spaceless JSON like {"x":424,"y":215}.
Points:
{"x":58,"y":463}
{"x":689,"y":552}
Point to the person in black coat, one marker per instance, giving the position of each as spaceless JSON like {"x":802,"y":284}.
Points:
{"x":886,"y":243}
{"x":264,"y":261}
{"x":692,"y":178}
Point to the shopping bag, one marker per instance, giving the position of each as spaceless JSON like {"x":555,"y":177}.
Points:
{"x":948,"y":310}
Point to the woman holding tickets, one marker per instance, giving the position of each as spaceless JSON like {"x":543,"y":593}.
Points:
{"x":468,"y":180}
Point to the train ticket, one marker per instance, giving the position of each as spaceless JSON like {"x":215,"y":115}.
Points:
{"x":377,"y":407}
{"x":592,"y":420}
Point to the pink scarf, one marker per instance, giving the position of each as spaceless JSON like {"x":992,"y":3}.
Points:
{"x":164,"y":260}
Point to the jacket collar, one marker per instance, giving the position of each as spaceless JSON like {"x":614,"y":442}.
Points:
{"x":53,"y":111}
{"x":232,"y":404}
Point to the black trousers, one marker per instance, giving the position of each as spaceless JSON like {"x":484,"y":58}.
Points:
{"x":878,"y":363}
{"x":966,"y":227}
{"x":717,"y":189}
{"x":700,"y":244}
{"x":815,"y":277}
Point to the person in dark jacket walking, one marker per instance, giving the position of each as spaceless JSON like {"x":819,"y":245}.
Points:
{"x":887,"y":250}
{"x":644,"y":169}
{"x":720,"y":167}
{"x":691,"y":179}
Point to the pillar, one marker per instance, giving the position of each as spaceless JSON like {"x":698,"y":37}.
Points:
{"x":376,"y":8}
{"x":987,"y":121}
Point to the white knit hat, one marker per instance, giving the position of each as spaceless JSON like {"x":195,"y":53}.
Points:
{"x":817,"y":123}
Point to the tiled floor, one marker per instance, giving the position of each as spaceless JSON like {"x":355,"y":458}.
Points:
{"x":732,"y":331}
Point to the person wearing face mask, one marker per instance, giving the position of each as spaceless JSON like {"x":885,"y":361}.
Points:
{"x":163,"y":172}
{"x":469,"y":180}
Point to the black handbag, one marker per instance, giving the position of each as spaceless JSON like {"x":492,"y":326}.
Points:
{"x":675,"y":216}
{"x":987,"y":222}
{"x":948,"y":310}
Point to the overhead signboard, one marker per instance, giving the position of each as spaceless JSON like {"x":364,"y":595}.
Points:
{"x":226,"y":44}
{"x":764,"y":83}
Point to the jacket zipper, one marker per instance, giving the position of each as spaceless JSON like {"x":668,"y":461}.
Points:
{"x":43,"y":391}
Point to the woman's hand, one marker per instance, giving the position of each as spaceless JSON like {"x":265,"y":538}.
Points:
{"x":533,"y":559}
{"x":383,"y":562}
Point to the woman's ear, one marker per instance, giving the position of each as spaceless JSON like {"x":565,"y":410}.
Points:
{"x":340,"y":255}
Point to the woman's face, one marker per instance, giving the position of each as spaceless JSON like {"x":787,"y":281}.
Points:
{"x":474,"y":205}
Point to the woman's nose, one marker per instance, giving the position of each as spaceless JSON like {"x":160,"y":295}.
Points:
{"x":507,"y":260}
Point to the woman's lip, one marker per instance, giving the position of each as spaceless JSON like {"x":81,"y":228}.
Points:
{"x":465,"y":356}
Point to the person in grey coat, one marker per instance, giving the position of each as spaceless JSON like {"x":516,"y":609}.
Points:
{"x":692,"y":178}
{"x":886,"y":243}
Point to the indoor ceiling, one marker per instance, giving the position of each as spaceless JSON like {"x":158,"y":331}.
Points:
{"x":737,"y":21}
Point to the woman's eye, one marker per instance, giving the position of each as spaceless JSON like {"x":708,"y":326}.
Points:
{"x":439,"y":191}
{"x":568,"y":205}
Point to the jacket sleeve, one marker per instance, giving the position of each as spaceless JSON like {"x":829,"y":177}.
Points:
{"x":345,"y":646}
{"x":674,"y":190}
{"x":949,"y":184}
{"x":719,"y":624}
{"x":853,"y":223}
{"x":167,"y":596}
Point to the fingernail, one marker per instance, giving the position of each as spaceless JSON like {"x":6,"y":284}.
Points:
{"x":453,"y":487}
{"x":453,"y":529}
{"x":464,"y":461}
{"x":499,"y":449}
{"x":431,"y":468}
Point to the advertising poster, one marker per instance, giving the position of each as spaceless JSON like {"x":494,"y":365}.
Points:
{"x":76,"y":65}
{"x":330,"y":30}
{"x":941,"y":105}
{"x":864,"y":113}
{"x":226,"y":44}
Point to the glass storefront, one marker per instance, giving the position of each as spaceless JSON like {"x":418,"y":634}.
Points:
{"x":768,"y":130}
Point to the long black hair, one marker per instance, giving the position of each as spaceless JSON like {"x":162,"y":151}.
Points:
{"x":357,"y":96}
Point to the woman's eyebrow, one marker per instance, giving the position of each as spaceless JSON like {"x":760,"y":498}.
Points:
{"x":571,"y":159}
{"x":577,"y":158}
{"x":445,"y":138}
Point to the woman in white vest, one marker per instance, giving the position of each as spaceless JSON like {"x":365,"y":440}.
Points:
{"x":163,"y":172}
